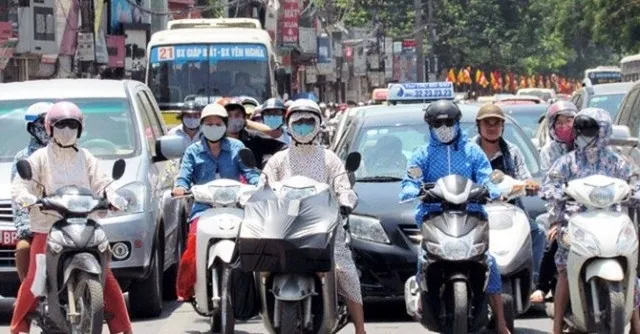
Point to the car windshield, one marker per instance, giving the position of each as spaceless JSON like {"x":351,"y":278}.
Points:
{"x":527,"y":117}
{"x":108,"y":130}
{"x":386,"y":150}
{"x":610,"y":103}
{"x":204,"y":72}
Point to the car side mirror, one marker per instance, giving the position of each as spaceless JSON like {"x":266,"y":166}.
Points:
{"x":620,"y":132}
{"x":118,"y":169}
{"x":168,"y":148}
{"x":353,"y":162}
{"x":24,"y":170}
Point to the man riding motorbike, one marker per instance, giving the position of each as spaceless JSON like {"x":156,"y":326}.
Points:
{"x":189,"y":130}
{"x":559,"y":118}
{"x":262,"y":146}
{"x":272,"y":112}
{"x":592,"y":131}
{"x":214,"y":156}
{"x":59,"y":164}
{"x":308,"y":159}
{"x":34,"y":116}
{"x":507,"y":157}
{"x":449,"y":144}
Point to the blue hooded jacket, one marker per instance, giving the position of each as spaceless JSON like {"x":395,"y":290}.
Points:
{"x":437,"y":160}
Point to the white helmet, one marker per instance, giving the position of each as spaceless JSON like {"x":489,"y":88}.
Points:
{"x":303,"y":105}
{"x":36,"y":110}
{"x":214,"y":109}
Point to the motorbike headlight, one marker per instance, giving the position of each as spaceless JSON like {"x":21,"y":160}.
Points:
{"x":583,"y":242}
{"x":135,"y":193}
{"x":455,"y":248}
{"x":224,"y":196}
{"x":627,"y":239}
{"x":100,"y":239}
{"x":57,"y":241}
{"x":77,"y":204}
{"x":366,"y":228}
{"x":291,"y":194}
{"x":602,"y":196}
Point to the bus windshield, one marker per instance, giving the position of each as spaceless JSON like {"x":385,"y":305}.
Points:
{"x":602,"y":77}
{"x":205,"y":72}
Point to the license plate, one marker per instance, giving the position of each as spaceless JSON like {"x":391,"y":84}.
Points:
{"x":8,"y":238}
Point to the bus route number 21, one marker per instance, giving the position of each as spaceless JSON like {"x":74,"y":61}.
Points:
{"x":166,"y":53}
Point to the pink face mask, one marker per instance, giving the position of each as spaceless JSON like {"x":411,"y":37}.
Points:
{"x":565,"y":134}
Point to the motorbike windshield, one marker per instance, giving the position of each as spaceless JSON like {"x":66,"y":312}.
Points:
{"x":307,"y":223}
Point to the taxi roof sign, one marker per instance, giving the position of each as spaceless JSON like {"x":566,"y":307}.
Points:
{"x":421,"y":91}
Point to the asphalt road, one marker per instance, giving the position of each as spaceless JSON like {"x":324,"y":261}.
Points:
{"x":388,"y":318}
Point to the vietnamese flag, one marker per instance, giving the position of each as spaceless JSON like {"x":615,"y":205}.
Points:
{"x":483,"y":80}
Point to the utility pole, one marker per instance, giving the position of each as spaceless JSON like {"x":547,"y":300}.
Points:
{"x":433,"y":62}
{"x":419,"y":37}
{"x":87,"y":66}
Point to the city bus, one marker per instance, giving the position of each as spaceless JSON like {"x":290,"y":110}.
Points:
{"x":630,"y":68}
{"x":193,"y":60}
{"x":602,"y":75}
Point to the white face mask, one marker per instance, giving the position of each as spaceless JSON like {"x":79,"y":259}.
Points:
{"x":584,"y":141}
{"x":213,"y":132}
{"x":445,"y":134}
{"x":65,"y":137}
{"x":191,"y":123}
{"x":236,"y":124}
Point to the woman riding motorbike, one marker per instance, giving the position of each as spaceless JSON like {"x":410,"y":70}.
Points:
{"x":62,"y":163}
{"x":307,"y":158}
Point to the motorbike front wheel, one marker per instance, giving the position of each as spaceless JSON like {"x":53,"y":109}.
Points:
{"x":290,"y":318}
{"x":615,"y":307}
{"x":89,"y":299}
{"x":460,"y":308}
{"x":223,"y":320}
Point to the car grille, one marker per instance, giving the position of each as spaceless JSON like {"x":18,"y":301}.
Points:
{"x":6,"y":214}
{"x":412,"y":233}
{"x":7,"y":256}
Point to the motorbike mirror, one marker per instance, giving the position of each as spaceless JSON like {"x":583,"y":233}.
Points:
{"x":24,"y":170}
{"x":118,"y":169}
{"x":497,"y":176}
{"x":247,"y":158}
{"x":353,"y":162}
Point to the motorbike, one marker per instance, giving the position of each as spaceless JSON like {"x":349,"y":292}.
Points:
{"x":510,"y":243}
{"x":215,"y":243}
{"x":603,"y":255}
{"x":451,"y":294}
{"x":70,"y":276}
{"x":288,"y":239}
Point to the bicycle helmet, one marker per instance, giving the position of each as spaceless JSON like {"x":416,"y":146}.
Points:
{"x":442,"y":111}
{"x":61,"y":111}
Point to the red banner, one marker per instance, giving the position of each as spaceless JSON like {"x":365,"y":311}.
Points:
{"x":6,"y":31}
{"x":116,"y":50}
{"x":289,"y":28}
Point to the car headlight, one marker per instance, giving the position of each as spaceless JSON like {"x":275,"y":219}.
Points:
{"x":135,"y":193}
{"x":366,"y":228}
{"x":602,"y":196}
{"x":627,"y":239}
{"x":583,"y":242}
{"x":291,"y":194}
{"x":224,"y":196}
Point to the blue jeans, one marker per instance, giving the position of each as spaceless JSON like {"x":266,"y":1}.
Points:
{"x":538,"y":243}
{"x":494,"y":286}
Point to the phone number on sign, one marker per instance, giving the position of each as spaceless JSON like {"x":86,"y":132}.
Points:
{"x":432,"y":93}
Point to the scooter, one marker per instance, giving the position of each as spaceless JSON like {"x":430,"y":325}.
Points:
{"x":510,"y":242}
{"x":216,"y":235}
{"x":603,"y":255}
{"x":287,"y":239}
{"x":454,"y":272}
{"x":70,"y":276}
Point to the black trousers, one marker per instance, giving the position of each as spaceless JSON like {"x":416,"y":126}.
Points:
{"x":548,"y":270}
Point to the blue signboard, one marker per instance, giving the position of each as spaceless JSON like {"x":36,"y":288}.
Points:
{"x":420,"y":91}
{"x":216,"y":52}
{"x":324,"y":50}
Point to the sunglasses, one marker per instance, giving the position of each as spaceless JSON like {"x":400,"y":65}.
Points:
{"x":67,"y":123}
{"x":437,"y":123}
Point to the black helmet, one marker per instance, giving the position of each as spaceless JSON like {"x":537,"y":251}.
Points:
{"x":191,"y":107}
{"x":441,"y":111}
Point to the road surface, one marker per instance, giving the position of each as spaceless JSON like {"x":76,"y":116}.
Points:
{"x":388,"y":318}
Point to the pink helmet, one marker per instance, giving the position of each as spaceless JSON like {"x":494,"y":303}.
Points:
{"x":564,"y":108}
{"x":62,"y":111}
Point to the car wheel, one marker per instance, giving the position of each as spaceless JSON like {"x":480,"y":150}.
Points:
{"x":145,"y":297}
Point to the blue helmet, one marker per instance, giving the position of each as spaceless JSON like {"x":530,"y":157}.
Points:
{"x":273,"y":103}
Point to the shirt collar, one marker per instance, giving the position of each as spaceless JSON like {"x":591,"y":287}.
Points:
{"x":225,"y":144}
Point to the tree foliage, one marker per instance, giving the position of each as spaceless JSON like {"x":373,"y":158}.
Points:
{"x":527,"y":36}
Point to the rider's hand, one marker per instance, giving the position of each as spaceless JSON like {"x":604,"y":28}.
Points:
{"x":532,"y":187}
{"x":553,"y":232}
{"x":178,"y":191}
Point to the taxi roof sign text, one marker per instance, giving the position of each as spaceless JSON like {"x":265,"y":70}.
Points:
{"x":421,"y":91}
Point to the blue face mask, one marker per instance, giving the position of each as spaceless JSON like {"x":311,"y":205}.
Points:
{"x":302,"y":130}
{"x":274,"y":122}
